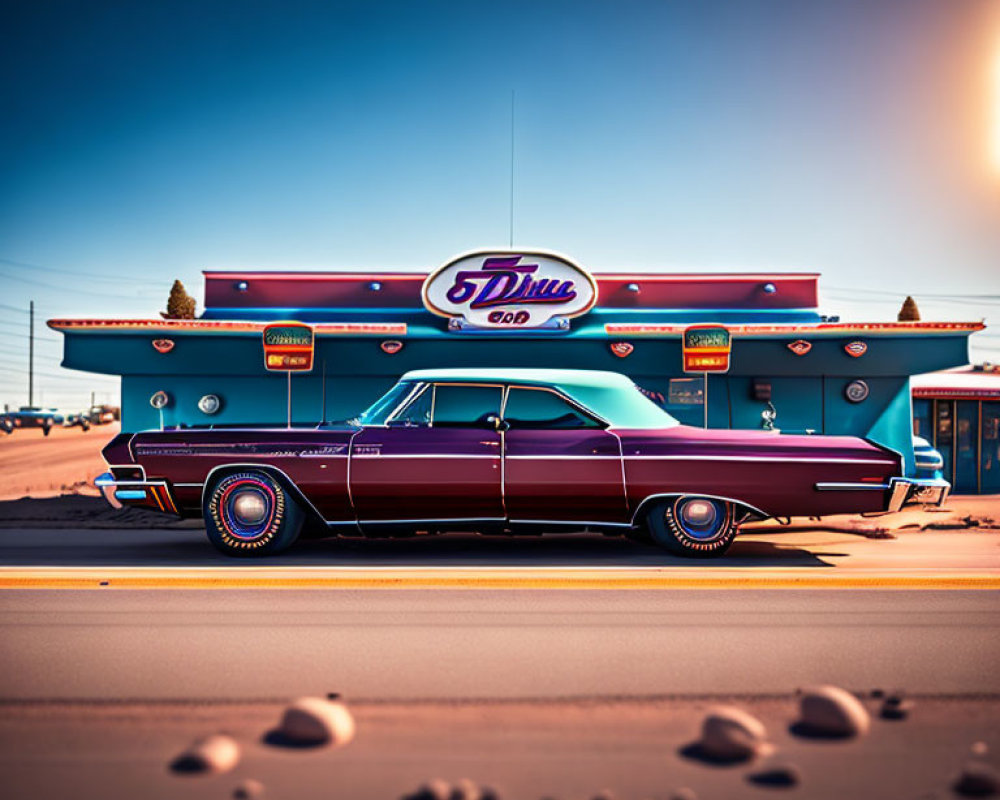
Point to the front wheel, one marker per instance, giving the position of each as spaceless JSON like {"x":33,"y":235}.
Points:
{"x":251,"y":514}
{"x":693,"y":526}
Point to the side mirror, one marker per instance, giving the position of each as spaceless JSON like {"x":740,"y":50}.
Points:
{"x":498,"y":424}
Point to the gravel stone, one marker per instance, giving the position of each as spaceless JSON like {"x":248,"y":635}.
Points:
{"x":464,"y":789}
{"x":211,"y":755}
{"x":777,"y":776}
{"x":977,"y":780}
{"x":833,"y":712}
{"x":315,"y":721}
{"x":732,"y":734}
{"x":249,"y":790}
{"x":435,"y":789}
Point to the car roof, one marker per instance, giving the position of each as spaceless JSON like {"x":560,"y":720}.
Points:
{"x":610,"y":395}
{"x":586,"y":378}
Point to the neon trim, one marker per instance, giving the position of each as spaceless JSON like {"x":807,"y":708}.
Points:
{"x":626,"y":328}
{"x":209,"y":326}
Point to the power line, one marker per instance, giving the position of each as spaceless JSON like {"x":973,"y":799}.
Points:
{"x":74,"y":272}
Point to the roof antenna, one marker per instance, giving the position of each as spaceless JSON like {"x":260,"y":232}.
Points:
{"x":511,"y":169}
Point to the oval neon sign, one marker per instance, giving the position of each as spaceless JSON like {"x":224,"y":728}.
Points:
{"x":510,"y":289}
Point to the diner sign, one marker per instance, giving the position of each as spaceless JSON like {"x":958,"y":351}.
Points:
{"x":510,"y":290}
{"x":288,"y":347}
{"x":707,"y":348}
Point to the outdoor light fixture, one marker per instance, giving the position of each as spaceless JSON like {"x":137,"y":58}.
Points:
{"x":770,"y":288}
{"x":856,"y":391}
{"x":210,"y":404}
{"x":375,"y":286}
{"x":241,"y":286}
{"x":159,"y":400}
{"x":632,"y":287}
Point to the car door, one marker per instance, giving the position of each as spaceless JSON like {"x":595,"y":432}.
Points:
{"x":437,"y":458}
{"x":560,"y":464}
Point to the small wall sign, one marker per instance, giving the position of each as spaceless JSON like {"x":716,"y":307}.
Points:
{"x":800,"y":347}
{"x":707,"y":348}
{"x":622,"y":349}
{"x":513,"y":290}
{"x":856,"y":349}
{"x":288,"y":347}
{"x":163,"y":345}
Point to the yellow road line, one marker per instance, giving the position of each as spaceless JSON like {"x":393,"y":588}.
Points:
{"x":485,"y":578}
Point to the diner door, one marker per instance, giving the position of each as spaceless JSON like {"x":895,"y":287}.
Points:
{"x":560,"y":465}
{"x":441,"y":462}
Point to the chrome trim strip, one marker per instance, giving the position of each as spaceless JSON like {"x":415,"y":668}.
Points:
{"x":431,"y":520}
{"x":458,"y":456}
{"x":541,"y":457}
{"x":847,"y":487}
{"x":798,"y":459}
{"x":564,"y":522}
{"x":189,"y":484}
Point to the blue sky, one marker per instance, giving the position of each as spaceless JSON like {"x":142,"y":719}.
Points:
{"x":144,"y":142}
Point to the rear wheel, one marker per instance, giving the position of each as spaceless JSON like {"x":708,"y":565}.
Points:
{"x":693,"y":526}
{"x":251,"y":514}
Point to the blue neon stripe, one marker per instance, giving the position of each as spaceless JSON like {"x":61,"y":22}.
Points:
{"x":130,"y":494}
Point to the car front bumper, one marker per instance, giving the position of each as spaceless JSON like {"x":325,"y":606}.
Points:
{"x":917,"y":491}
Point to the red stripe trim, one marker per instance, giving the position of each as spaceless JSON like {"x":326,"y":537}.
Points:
{"x":319,"y":328}
{"x":626,"y":328}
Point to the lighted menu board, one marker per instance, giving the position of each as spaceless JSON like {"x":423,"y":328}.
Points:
{"x":288,"y":347}
{"x":707,"y":348}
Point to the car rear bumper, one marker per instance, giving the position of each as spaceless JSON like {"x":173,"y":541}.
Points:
{"x":138,"y":493}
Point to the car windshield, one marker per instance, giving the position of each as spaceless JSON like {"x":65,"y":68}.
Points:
{"x":382,"y":409}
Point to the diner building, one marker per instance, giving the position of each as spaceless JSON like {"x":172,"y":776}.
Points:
{"x":787,"y":366}
{"x":958,"y":412}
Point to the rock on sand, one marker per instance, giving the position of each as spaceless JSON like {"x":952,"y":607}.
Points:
{"x":831,"y":711}
{"x":731,"y":734}
{"x":316,"y":721}
{"x":977,"y":780}
{"x":249,"y":790}
{"x":213,"y":754}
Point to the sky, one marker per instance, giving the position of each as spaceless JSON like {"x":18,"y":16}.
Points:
{"x":143,"y":142}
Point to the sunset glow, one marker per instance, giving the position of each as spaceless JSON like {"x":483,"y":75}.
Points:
{"x":995,"y":112}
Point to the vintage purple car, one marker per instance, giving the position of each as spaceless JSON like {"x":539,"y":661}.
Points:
{"x":502,"y":451}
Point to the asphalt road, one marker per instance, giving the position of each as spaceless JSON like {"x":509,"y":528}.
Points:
{"x":461,"y":644}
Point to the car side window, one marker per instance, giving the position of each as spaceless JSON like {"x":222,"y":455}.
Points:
{"x":416,"y":413}
{"x":539,"y":409}
{"x":461,"y":406}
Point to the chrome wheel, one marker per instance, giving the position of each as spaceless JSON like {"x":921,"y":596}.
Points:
{"x":251,"y":513}
{"x":693,"y":526}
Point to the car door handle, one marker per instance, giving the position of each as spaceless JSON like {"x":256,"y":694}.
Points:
{"x":491,"y":444}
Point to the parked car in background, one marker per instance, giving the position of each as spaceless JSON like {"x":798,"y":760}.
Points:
{"x":502,"y":451}
{"x":930,"y":462}
{"x":81,"y":420}
{"x":32,"y":417}
{"x":104,"y":414}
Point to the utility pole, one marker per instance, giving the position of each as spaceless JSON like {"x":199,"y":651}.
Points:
{"x":31,"y":353}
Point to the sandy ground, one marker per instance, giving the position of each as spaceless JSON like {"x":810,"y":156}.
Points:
{"x":571,"y":749}
{"x":64,"y":462}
